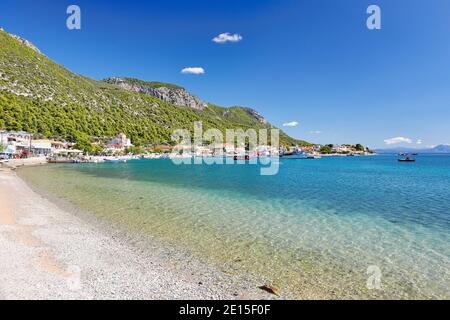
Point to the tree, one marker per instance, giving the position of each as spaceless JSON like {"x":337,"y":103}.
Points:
{"x":326,"y":149}
{"x":2,"y":148}
{"x":134,"y":150}
{"x":96,"y":149}
{"x":84,"y":145}
{"x":359,"y":147}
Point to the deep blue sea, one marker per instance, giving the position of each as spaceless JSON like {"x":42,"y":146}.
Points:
{"x":336,"y":227}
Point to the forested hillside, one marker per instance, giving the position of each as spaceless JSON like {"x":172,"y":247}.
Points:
{"x":41,"y":96}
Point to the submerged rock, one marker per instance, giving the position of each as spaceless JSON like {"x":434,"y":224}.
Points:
{"x":271,"y":288}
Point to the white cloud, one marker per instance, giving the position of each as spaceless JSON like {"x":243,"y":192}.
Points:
{"x":290,"y":124}
{"x":227,"y":37}
{"x":193,"y":70}
{"x":315,"y":132}
{"x":419,"y":141}
{"x":397,"y":140}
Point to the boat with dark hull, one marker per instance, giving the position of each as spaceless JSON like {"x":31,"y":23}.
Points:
{"x":407,"y":157}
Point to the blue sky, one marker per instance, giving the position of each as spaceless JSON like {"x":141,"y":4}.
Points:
{"x":308,"y":61}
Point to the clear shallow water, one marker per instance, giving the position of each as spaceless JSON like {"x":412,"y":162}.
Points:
{"x":314,"y":228}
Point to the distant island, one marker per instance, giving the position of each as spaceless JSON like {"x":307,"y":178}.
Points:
{"x":440,"y":149}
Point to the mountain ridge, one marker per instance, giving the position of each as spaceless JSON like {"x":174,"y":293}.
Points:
{"x":41,"y":96}
{"x":165,"y":91}
{"x":23,"y":41}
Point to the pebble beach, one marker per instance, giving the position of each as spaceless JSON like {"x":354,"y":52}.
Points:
{"x":49,"y":253}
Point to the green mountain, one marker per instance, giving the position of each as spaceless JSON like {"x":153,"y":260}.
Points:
{"x":41,"y":96}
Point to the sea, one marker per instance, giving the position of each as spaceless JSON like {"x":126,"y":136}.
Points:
{"x":364,"y":227}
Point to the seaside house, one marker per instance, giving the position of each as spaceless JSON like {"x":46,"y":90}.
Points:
{"x":217,"y":149}
{"x":119,"y":143}
{"x":184,"y":149}
{"x":17,"y":142}
{"x":21,"y":143}
{"x":266,"y":151}
{"x":347,"y":148}
{"x":58,"y":145}
{"x":240,"y":151}
{"x":164,"y":148}
{"x":3,"y":137}
{"x":229,"y":149}
{"x":64,"y":149}
{"x":41,"y":147}
{"x":9,"y":148}
{"x":201,"y":151}
{"x":10,"y":151}
{"x":341,"y":148}
{"x":274,"y":151}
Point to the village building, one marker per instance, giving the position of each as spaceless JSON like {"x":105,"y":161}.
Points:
{"x":16,"y":142}
{"x":119,"y":143}
{"x":41,"y":147}
{"x":202,"y":151}
{"x":60,"y":148}
{"x":164,"y":148}
{"x":21,"y":144}
{"x":266,"y":151}
{"x":3,"y":138}
{"x":343,"y":148}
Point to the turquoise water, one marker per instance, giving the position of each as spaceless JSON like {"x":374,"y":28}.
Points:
{"x":314,"y":228}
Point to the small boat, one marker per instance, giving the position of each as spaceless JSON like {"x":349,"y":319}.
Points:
{"x":115,"y":160}
{"x":313,"y":156}
{"x":246,"y":157}
{"x":294,"y":155}
{"x":407,"y":159}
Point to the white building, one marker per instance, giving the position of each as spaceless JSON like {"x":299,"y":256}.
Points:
{"x":3,"y":138}
{"x":19,"y":143}
{"x":41,"y":147}
{"x":342,"y":148}
{"x":15,"y":142}
{"x":121,"y":142}
{"x":201,"y":151}
{"x":64,"y":149}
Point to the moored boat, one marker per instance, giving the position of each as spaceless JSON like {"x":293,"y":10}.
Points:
{"x":246,"y":157}
{"x":114,"y":160}
{"x":293,"y":155}
{"x":313,"y":156}
{"x":406,"y":158}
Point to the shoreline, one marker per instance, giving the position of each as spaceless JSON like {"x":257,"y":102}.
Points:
{"x":13,"y":164}
{"x":47,"y":252}
{"x":179,"y":262}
